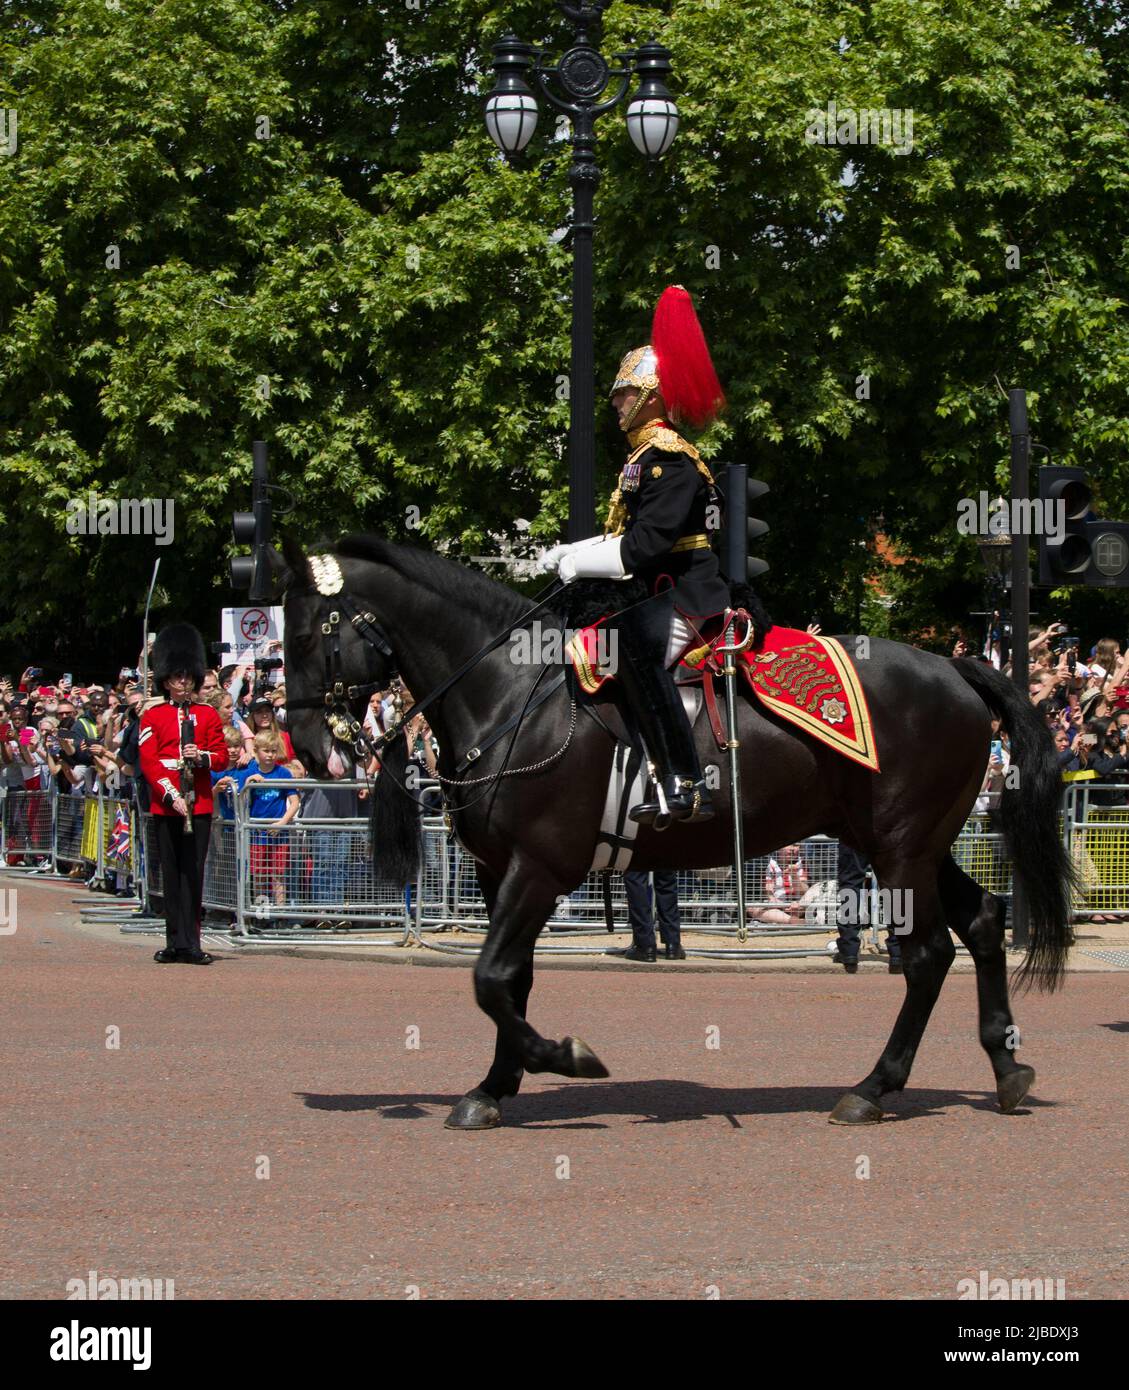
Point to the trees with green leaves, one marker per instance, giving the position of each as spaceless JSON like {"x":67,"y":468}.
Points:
{"x":230,"y":219}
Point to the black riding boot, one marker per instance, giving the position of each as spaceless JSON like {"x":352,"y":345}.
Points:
{"x":655,"y":702}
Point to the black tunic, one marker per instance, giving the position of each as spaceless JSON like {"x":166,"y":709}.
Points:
{"x":670,"y":502}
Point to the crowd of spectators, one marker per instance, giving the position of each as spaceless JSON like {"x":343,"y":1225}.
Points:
{"x":1085,"y":705}
{"x":83,"y":738}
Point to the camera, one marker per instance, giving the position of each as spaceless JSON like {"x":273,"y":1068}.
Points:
{"x":264,"y":665}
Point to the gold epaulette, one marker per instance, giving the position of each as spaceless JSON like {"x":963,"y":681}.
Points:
{"x":660,"y":436}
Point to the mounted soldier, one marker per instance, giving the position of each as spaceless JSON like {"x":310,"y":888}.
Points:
{"x":656,"y":529}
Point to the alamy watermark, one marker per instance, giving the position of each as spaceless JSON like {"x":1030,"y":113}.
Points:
{"x":894,"y":909}
{"x":994,"y":1289}
{"x":1025,"y":516}
{"x":844,"y":125}
{"x":549,"y":646}
{"x":78,"y":1343}
{"x":106,"y":1287}
{"x":122,"y":516}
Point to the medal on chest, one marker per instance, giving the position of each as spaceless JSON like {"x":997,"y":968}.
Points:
{"x":629,"y":478}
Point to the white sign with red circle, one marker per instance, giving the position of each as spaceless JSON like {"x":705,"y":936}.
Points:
{"x":251,"y":632}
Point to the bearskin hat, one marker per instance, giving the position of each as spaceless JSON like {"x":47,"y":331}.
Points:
{"x":178,"y":647}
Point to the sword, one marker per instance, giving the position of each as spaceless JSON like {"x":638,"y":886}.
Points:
{"x":186,"y":767}
{"x":731,"y":649}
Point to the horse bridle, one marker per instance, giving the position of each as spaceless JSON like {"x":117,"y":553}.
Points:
{"x":336,"y":697}
{"x":329,"y":582}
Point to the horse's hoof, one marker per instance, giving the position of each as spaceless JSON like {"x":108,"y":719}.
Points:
{"x":1013,"y":1087}
{"x":476,"y":1110}
{"x":855,"y":1110}
{"x":584,"y":1060}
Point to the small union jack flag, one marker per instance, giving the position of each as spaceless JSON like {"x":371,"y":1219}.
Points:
{"x":119,"y":836}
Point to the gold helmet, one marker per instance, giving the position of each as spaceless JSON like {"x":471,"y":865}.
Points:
{"x":639,"y":369}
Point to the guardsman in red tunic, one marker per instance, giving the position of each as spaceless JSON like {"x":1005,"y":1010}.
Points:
{"x":657,"y":529}
{"x":181,"y":743}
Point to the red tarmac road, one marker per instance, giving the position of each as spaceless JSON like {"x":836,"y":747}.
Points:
{"x":691,"y":1167}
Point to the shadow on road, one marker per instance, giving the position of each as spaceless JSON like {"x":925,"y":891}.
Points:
{"x":661,"y":1102}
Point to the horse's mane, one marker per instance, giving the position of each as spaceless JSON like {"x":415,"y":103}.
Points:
{"x":449,"y":579}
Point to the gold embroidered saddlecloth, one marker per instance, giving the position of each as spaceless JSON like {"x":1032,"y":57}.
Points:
{"x":812,"y":682}
{"x":809,"y":681}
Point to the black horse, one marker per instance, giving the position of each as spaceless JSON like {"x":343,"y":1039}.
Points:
{"x":533,"y":833}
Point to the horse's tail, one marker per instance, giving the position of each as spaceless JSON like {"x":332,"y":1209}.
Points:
{"x":394,"y":828}
{"x":1029,"y":816}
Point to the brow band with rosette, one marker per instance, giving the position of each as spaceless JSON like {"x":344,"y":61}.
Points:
{"x":328,"y":578}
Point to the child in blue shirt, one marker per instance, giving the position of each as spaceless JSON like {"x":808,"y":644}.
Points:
{"x":270,"y":854}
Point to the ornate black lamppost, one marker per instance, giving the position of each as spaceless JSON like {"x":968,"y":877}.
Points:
{"x":582,"y":75}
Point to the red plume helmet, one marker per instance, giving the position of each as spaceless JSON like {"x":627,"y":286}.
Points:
{"x":687,"y":380}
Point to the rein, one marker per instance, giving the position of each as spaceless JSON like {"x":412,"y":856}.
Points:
{"x":441,"y":689}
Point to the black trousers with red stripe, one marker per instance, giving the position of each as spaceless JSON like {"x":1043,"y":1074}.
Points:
{"x":182,"y":875}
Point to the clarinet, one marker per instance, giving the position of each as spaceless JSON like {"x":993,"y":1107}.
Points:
{"x":186,"y":767}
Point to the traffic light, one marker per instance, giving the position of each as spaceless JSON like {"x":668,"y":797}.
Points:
{"x":1064,"y":554}
{"x":1109,"y":554}
{"x":1075,"y":547}
{"x":253,"y":572}
{"x":740,"y":529}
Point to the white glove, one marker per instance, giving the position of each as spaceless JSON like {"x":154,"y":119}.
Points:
{"x":550,"y":559}
{"x":594,"y":561}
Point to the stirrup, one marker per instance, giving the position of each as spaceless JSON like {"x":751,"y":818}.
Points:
{"x":681,"y":799}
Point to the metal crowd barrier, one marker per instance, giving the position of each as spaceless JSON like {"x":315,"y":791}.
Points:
{"x":313,"y":880}
{"x":448,"y":898}
{"x":50,"y":833}
{"x":29,"y":831}
{"x":980,"y":852}
{"x":316,"y":870}
{"x":1096,"y":835}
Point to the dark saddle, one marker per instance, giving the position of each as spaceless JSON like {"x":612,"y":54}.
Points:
{"x":699,"y":665}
